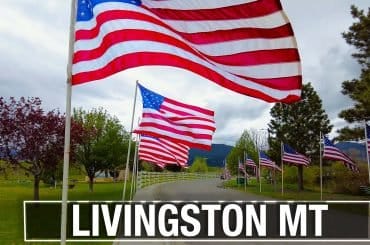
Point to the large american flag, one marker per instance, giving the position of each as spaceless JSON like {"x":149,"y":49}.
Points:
{"x":247,"y":46}
{"x":291,"y":156}
{"x":162,"y":152}
{"x":331,"y":152}
{"x":178,"y":122}
{"x":250,"y":163}
{"x":265,"y":161}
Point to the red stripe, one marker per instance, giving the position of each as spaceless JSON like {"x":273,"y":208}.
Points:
{"x":241,"y":11}
{"x":177,"y":122}
{"x":148,"y":58}
{"x":173,"y":130}
{"x":241,"y":59}
{"x":180,"y":141}
{"x":165,"y":148}
{"x":238,"y":34}
{"x":191,"y":107}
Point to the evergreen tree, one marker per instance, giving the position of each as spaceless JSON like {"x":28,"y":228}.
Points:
{"x":299,"y":125}
{"x":358,"y":89}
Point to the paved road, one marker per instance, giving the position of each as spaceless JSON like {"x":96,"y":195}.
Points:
{"x":202,"y":190}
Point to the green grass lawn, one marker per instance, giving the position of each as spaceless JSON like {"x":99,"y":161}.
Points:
{"x":12,"y":195}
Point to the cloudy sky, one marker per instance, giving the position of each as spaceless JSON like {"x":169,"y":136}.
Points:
{"x":34,"y":49}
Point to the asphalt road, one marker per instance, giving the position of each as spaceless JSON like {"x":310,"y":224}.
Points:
{"x":202,"y":190}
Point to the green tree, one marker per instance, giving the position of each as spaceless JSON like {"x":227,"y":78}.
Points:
{"x":246,"y":144}
{"x":358,"y":89}
{"x":199,"y":165}
{"x":104,"y":144}
{"x":299,"y":125}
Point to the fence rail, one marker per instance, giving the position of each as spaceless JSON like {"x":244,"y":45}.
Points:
{"x":145,"y":179}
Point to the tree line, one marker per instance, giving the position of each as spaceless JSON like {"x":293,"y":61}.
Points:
{"x":33,"y":140}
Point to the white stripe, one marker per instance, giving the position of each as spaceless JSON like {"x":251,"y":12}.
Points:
{"x":186,"y":121}
{"x":139,"y":46}
{"x":187,"y":110}
{"x":161,"y":149}
{"x":193,"y":4}
{"x":266,"y":22}
{"x":215,"y":49}
{"x":176,"y":136}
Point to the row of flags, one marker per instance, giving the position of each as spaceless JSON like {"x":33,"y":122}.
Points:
{"x":330,"y":152}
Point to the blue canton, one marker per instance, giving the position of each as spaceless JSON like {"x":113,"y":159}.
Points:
{"x":263,"y":155}
{"x":289,"y":149}
{"x":85,"y":7}
{"x":327,"y":142}
{"x":151,"y":99}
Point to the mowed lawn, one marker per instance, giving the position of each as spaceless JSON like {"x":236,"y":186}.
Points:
{"x":12,"y":195}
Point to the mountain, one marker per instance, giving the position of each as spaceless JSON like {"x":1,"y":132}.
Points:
{"x":215,"y":157}
{"x":356,"y":151}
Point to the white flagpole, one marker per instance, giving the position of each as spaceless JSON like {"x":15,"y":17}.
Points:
{"x":237,"y":177}
{"x":282,"y":169}
{"x":259,"y":169}
{"x":320,"y":166}
{"x":127,"y":169}
{"x":367,"y":150}
{"x":67,"y":132}
{"x":245,"y":171}
{"x":134,"y":167}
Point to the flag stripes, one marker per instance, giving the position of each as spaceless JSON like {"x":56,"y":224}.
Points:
{"x":331,"y":152}
{"x":162,"y":151}
{"x":291,"y":156}
{"x":265,"y":161}
{"x":245,"y":46}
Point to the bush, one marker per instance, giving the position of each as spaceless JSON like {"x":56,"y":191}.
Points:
{"x":345,"y":181}
{"x":199,"y":166}
{"x":290,"y":174}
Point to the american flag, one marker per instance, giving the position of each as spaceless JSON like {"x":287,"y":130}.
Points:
{"x":331,"y":152}
{"x":265,"y":161}
{"x":178,"y":122}
{"x":247,"y":46}
{"x":291,"y":156}
{"x":162,"y":152}
{"x":241,"y":167}
{"x":367,"y":130}
{"x":249,"y":162}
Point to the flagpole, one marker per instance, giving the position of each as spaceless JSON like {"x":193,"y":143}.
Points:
{"x":282,"y":168}
{"x":320,"y":166}
{"x":259,"y":169}
{"x":237,"y":177}
{"x":367,"y":150}
{"x":127,"y":169}
{"x":67,"y":132}
{"x":245,"y":171}
{"x":133,"y":176}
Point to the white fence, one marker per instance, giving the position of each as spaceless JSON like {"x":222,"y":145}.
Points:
{"x":149,"y":178}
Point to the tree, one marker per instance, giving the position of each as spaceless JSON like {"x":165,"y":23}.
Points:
{"x":246,"y":144}
{"x":104,"y":144}
{"x":31,"y":138}
{"x":358,"y":89}
{"x":199,"y":165}
{"x":299,"y":125}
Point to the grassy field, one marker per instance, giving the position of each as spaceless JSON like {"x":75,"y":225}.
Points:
{"x":12,"y":195}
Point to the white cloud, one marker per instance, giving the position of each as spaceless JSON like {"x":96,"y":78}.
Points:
{"x":34,"y":44}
